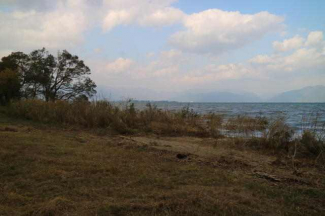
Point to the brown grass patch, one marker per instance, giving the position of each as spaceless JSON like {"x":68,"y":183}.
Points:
{"x":50,"y":172}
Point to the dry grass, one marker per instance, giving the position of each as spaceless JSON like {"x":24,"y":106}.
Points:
{"x":271,"y":134}
{"x":102,"y":114}
{"x":246,"y":125}
{"x":45,"y":170}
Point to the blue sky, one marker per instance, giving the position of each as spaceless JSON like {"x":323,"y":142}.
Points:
{"x":152,"y":49}
{"x":301,"y":16}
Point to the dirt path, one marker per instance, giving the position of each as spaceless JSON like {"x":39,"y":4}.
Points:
{"x":224,"y":154}
{"x":208,"y":149}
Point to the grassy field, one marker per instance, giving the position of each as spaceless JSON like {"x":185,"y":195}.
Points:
{"x":54,"y":170}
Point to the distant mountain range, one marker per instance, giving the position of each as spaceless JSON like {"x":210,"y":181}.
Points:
{"x":217,"y":97}
{"x":311,"y":94}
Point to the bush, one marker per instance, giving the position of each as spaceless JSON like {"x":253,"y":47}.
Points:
{"x":214,"y":124}
{"x":246,"y":125}
{"x":279,"y":135}
{"x":102,"y":114}
{"x":312,"y":144}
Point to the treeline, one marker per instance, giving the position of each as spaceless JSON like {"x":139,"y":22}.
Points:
{"x":40,"y":75}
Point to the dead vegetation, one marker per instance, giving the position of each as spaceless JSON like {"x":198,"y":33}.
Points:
{"x":259,"y":132}
{"x":49,"y":170}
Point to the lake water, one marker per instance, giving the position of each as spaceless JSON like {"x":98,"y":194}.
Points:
{"x":298,"y":115}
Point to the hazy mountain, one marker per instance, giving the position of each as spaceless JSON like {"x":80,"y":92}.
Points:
{"x":309,"y":94}
{"x":217,"y":97}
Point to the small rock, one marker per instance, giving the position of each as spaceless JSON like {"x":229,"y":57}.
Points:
{"x":181,"y":156}
{"x":80,"y":140}
{"x":9,"y":129}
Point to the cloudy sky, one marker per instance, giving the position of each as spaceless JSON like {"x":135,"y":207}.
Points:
{"x":151,"y":49}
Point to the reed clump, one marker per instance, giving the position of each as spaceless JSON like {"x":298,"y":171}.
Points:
{"x":313,"y":144}
{"x":247,"y":125}
{"x":103,"y":114}
{"x":259,"y":132}
{"x":279,"y":137}
{"x":215,"y":125}
{"x":279,"y":134}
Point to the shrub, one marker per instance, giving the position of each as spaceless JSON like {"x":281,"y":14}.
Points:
{"x":279,"y":135}
{"x":102,"y":114}
{"x":246,"y":125}
{"x":214,"y":124}
{"x":312,"y":144}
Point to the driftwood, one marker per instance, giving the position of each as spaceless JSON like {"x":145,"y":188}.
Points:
{"x":8,"y":129}
{"x":267,"y":176}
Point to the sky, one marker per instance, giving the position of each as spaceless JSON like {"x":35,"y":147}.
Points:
{"x":155,"y":49}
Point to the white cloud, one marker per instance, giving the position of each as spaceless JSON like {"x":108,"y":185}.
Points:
{"x":117,"y":17}
{"x":162,"y":17}
{"x":216,"y":31}
{"x":61,"y":24}
{"x":166,"y":64}
{"x":262,"y":59}
{"x":315,"y":38}
{"x":289,"y":44}
{"x":304,"y":59}
{"x":172,"y":70}
{"x":305,"y":56}
{"x":171,"y":54}
{"x":211,"y":31}
{"x":42,"y":5}
{"x":150,"y":54}
{"x":120,"y":65}
{"x":152,"y":13}
{"x":264,"y":73}
{"x":156,"y":72}
{"x":59,"y":28}
{"x":114,"y":4}
{"x":98,"y":50}
{"x":214,"y":73}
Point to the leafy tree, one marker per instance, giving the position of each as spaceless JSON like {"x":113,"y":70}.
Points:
{"x":18,"y":62}
{"x":69,"y":78}
{"x":9,"y":86}
{"x":44,"y":76}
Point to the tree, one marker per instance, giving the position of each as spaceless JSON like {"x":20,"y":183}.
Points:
{"x":51,"y":78}
{"x":18,"y":62}
{"x":9,"y":86}
{"x":69,"y":78}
